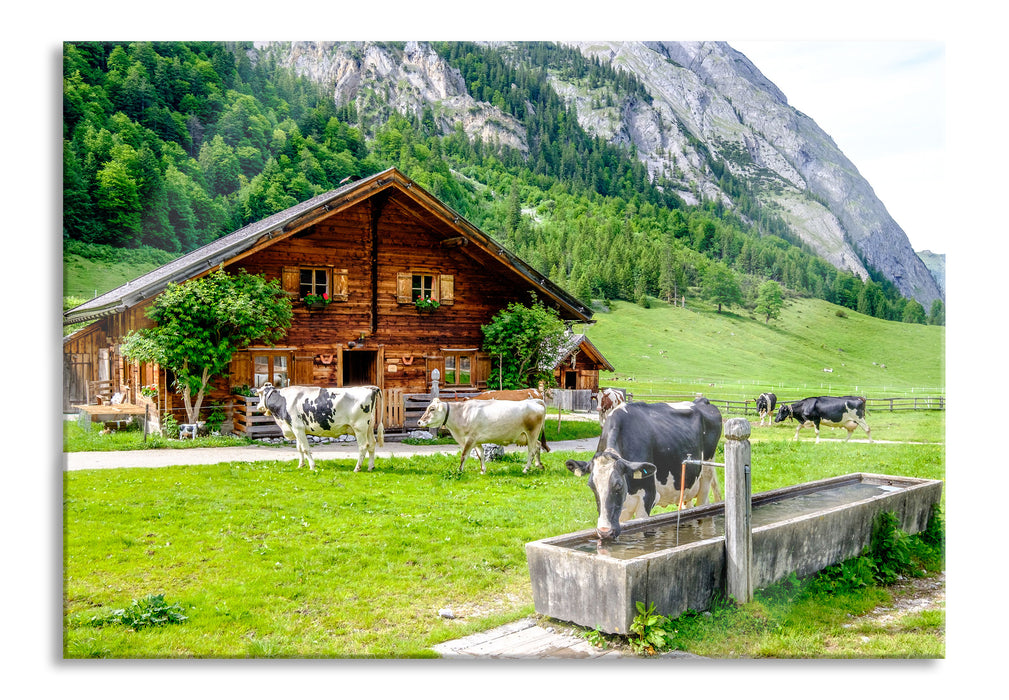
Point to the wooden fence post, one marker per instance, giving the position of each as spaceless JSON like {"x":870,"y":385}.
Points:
{"x":738,"y":532}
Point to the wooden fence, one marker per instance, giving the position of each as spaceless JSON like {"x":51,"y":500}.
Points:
{"x":748,"y":406}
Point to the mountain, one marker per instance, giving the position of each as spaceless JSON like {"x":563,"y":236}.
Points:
{"x":936,"y":264}
{"x":701,"y":117}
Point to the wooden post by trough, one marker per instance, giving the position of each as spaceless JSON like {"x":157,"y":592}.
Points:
{"x":738,"y":533}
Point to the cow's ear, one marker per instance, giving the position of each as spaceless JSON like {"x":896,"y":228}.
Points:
{"x":639,"y":470}
{"x":577,"y":467}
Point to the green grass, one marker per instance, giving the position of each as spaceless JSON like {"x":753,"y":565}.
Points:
{"x":667,"y":350}
{"x":268,"y":560}
{"x":77,"y":439}
{"x":90,"y":270}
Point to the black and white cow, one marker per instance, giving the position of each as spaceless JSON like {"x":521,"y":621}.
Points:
{"x":833,"y":411}
{"x":765,"y":406}
{"x":638,"y":461}
{"x":311,"y":410}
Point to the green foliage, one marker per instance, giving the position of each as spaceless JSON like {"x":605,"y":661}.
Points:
{"x":523,"y":342}
{"x":648,"y":633}
{"x":937,"y":313}
{"x":769,"y":300}
{"x":200,"y":324}
{"x":722,"y":287}
{"x":150,"y":611}
{"x":889,"y":548}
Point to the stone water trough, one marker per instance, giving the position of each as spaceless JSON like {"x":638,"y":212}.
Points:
{"x":681,"y":561}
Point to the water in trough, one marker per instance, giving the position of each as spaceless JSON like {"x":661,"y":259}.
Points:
{"x":636,"y":543}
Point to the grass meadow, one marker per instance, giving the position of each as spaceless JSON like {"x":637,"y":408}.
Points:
{"x":735,"y":356}
{"x":266,"y":560}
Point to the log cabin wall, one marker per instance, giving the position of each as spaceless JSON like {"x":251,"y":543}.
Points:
{"x":401,"y":343}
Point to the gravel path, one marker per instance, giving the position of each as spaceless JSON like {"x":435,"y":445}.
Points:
{"x":254,"y":453}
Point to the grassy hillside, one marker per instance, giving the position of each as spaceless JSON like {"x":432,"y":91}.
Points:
{"x":668,"y":350}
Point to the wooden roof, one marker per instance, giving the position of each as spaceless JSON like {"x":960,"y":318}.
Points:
{"x":580,"y":343}
{"x":263,"y":233}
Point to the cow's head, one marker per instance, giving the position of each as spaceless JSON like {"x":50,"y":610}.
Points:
{"x":784,"y":412}
{"x":263,"y":393}
{"x":611,"y":478}
{"x":435,"y":415}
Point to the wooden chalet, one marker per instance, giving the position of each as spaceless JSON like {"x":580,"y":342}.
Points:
{"x":374,"y":246}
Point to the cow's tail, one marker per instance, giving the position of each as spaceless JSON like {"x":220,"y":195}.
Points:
{"x":380,"y":416}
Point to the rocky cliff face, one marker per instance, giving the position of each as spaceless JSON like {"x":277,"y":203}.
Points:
{"x":705,"y":97}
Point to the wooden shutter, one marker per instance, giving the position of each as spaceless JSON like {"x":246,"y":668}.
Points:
{"x":291,"y":281}
{"x":446,"y":289}
{"x":481,"y":370}
{"x":240,"y":370}
{"x":404,"y":288}
{"x":341,"y":288}
{"x":303,"y":370}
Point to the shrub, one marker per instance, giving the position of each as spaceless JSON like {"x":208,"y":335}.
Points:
{"x":151,"y":611}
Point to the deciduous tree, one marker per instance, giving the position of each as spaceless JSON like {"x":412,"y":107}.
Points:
{"x":769,"y":301}
{"x":202,"y":322}
{"x":523,"y":341}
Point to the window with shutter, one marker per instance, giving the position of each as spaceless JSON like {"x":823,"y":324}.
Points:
{"x":414,"y":285}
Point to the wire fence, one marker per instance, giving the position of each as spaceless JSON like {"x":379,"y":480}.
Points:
{"x":749,"y":406}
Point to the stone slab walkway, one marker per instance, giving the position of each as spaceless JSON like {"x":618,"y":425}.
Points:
{"x":524,"y":639}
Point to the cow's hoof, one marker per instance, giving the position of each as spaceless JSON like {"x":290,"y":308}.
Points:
{"x":357,"y":469}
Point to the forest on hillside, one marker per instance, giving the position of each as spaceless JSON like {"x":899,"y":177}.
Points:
{"x":170,"y":145}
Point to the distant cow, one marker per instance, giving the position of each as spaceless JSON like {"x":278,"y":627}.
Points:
{"x":608,"y":400}
{"x":639,"y":460}
{"x":833,"y":411}
{"x":475,"y":422}
{"x":310,"y":410}
{"x":514,"y":395}
{"x":765,"y":406}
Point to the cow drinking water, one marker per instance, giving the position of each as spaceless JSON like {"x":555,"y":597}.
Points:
{"x":639,"y":460}
{"x":301,"y":411}
{"x":833,"y":411}
{"x":473,"y":423}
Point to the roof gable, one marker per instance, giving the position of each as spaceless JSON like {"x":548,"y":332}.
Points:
{"x":286,"y":223}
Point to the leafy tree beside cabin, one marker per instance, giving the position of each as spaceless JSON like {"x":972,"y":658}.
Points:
{"x":202,"y":322}
{"x":523,"y":341}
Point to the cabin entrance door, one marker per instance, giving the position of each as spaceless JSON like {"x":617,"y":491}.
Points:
{"x":360,"y":367}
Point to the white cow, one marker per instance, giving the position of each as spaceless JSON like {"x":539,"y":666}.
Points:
{"x":473,"y":423}
{"x":311,"y":410}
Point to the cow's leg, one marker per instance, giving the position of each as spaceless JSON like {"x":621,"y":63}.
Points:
{"x":483,"y":464}
{"x":301,"y":439}
{"x":365,"y":446}
{"x":797,"y":429}
{"x":532,"y":451}
{"x":816,"y":426}
{"x":466,"y":447}
{"x":712,"y":485}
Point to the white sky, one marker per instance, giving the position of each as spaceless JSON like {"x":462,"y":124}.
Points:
{"x":883,"y":103}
